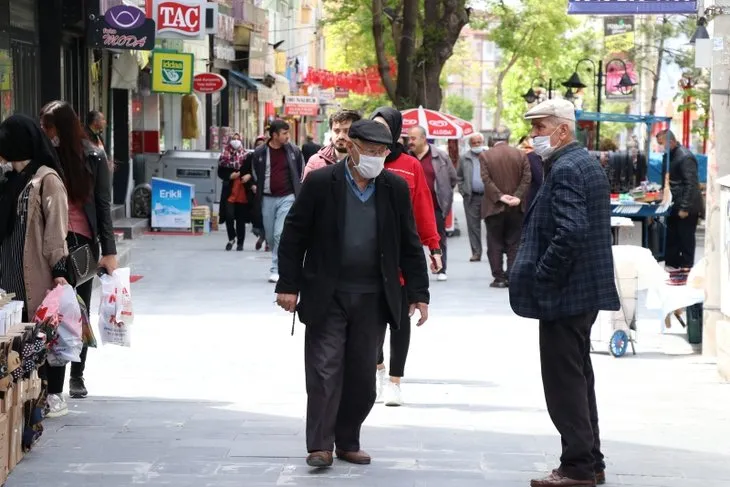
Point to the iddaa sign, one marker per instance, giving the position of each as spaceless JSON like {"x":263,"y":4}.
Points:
{"x":122,"y":27}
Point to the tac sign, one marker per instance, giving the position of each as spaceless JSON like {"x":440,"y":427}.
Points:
{"x":187,"y":19}
{"x":122,"y":27}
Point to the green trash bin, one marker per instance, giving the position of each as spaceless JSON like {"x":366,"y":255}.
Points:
{"x":694,"y":323}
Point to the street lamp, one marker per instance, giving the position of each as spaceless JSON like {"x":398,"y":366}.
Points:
{"x":569,"y":95}
{"x":625,"y":85}
{"x":532,"y":97}
{"x":701,"y":31}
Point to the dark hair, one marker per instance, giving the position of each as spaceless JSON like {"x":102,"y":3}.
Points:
{"x":77,"y":179}
{"x":92,"y":117}
{"x":277,"y":126}
{"x":344,"y":116}
{"x":668,"y":132}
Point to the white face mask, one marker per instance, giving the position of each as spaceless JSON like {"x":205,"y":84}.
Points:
{"x":477,"y":150}
{"x":542,"y":147}
{"x":236,"y":144}
{"x":370,"y":167}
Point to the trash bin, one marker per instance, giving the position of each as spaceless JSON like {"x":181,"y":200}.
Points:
{"x":694,"y":323}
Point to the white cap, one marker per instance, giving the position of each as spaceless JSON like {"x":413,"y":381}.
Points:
{"x":552,"y":108}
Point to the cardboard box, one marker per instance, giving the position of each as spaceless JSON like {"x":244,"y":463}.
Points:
{"x":15,"y":437}
{"x":4,"y":446}
{"x":34,"y":388}
{"x":20,"y":392}
{"x":8,"y":399}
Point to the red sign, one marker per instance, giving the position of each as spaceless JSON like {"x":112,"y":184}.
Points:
{"x":306,"y":106}
{"x":208,"y":82}
{"x":180,"y":18}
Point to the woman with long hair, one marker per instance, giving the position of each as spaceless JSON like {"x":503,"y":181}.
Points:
{"x":88,"y":183}
{"x":33,"y":214}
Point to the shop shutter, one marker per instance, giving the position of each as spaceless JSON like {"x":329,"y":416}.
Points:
{"x":23,"y":14}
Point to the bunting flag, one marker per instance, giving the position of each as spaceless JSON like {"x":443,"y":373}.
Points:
{"x":364,"y":82}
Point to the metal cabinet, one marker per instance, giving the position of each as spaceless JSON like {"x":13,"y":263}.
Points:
{"x":199,"y":168}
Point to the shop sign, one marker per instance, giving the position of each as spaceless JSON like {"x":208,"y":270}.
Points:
{"x":224,"y":52}
{"x":122,"y":27}
{"x":341,"y":92}
{"x":209,"y":83}
{"x":631,"y":7}
{"x":306,"y":106}
{"x":171,"y":204}
{"x":172,"y":72}
{"x":185,"y":18}
{"x":326,"y":96}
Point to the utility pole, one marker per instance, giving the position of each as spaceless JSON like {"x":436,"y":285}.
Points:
{"x":718,"y":166}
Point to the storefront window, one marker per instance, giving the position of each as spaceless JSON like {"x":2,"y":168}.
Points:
{"x":6,"y":84}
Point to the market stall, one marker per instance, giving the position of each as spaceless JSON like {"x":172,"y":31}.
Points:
{"x":645,"y":204}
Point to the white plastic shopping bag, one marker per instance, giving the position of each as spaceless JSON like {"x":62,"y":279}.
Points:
{"x":66,"y":346}
{"x":116,"y":314}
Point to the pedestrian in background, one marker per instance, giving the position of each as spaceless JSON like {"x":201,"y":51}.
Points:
{"x":336,"y":150}
{"x":257,"y":226}
{"x":409,"y":168}
{"x":563,"y":276}
{"x":235,"y":205}
{"x":276,"y":168}
{"x":88,"y":184}
{"x":95,"y":128}
{"x":310,"y":148}
{"x":535,"y":161}
{"x":687,"y":203}
{"x":441,"y":179}
{"x":348,"y":285}
{"x":506,"y":176}
{"x":471,"y":188}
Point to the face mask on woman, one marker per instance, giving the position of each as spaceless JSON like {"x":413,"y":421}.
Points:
{"x":236,"y":144}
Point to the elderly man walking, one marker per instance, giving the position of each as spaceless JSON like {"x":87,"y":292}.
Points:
{"x":506,"y":175}
{"x":563,"y":276}
{"x":471,"y":188}
{"x":441,"y":178}
{"x":354,"y":223}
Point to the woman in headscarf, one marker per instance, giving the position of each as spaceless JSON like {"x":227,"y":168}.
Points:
{"x":410,"y":169}
{"x":235,"y":203}
{"x":33,"y":214}
{"x":88,"y":184}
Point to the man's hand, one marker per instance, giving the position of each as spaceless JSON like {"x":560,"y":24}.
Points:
{"x":253,"y":189}
{"x":683,"y":214}
{"x":288,"y":302}
{"x":436,"y":263}
{"x":514,"y":201}
{"x":235,"y":175}
{"x":422,"y":310}
{"x":246,"y":178}
{"x":505,"y":198}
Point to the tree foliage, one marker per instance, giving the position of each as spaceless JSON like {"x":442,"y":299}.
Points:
{"x":459,"y":106}
{"x":419,"y":34}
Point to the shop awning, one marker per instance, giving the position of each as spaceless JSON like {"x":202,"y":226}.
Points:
{"x":242,"y":81}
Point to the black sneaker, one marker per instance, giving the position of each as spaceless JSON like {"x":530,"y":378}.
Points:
{"x":239,"y":247}
{"x":229,"y":245}
{"x":77,"y":389}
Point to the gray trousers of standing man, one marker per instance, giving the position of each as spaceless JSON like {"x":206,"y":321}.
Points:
{"x":473,"y":210}
{"x":340,"y":358}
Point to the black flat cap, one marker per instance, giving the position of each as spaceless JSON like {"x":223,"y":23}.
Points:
{"x":370,"y":131}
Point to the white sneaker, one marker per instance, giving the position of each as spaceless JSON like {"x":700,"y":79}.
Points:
{"x":381,"y":378}
{"x":442,"y":277}
{"x":392,"y":394}
{"x":57,"y":406}
{"x":274,"y":278}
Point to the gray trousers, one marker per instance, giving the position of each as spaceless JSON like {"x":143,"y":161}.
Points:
{"x":473,"y":210}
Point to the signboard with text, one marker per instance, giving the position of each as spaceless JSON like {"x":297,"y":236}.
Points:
{"x":618,"y":35}
{"x":122,"y":27}
{"x":631,"y":7}
{"x":172,"y":204}
{"x":172,"y":72}
{"x":187,"y":19}
{"x":307,"y":106}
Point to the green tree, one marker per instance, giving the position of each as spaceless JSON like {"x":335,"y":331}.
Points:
{"x":533,"y":37}
{"x":421,"y":38}
{"x":459,"y":106}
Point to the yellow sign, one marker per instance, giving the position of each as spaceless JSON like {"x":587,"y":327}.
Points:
{"x":280,"y":62}
{"x":6,"y":71}
{"x":172,"y":72}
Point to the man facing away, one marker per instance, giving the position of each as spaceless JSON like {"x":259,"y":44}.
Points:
{"x":687,"y":204}
{"x":506,"y":175}
{"x":277,"y":168}
{"x":354,"y":222}
{"x":441,"y":178}
{"x":471,"y":188}
{"x":563,"y":276}
{"x":309,"y":148}
{"x":336,"y":150}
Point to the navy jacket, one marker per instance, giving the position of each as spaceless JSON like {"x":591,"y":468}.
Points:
{"x":564,"y":266}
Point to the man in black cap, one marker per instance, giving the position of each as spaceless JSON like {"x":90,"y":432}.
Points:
{"x":354,"y":223}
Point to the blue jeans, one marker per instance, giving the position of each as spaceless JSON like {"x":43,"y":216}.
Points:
{"x":273,"y":212}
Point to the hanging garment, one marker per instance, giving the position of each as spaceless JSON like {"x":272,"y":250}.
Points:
{"x":190,"y":108}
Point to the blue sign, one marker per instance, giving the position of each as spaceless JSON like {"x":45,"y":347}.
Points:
{"x":631,"y":7}
{"x":172,"y":204}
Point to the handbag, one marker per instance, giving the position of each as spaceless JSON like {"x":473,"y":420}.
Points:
{"x":81,"y":268}
{"x":238,"y":192}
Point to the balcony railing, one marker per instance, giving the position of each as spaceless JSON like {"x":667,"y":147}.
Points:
{"x":246,"y":13}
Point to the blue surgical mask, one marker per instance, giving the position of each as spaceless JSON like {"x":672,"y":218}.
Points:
{"x":477,"y":150}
